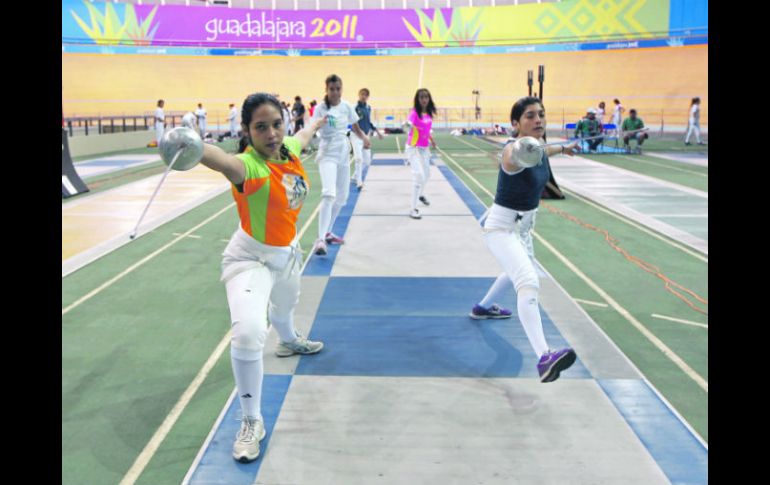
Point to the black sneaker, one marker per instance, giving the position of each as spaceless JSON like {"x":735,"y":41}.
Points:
{"x":424,"y":200}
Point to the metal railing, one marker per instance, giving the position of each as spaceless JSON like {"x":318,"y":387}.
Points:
{"x":660,"y":120}
{"x":99,"y":125}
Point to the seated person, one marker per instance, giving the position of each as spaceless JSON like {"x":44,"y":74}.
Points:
{"x":632,"y":124}
{"x":589,"y":126}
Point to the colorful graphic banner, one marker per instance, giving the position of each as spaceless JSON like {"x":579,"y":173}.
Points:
{"x":569,"y":47}
{"x":85,"y":22}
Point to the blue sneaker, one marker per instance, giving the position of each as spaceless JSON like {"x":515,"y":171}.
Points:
{"x":495,"y":311}
{"x":552,"y":363}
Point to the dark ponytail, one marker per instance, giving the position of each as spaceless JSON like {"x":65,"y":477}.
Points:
{"x":333,"y":78}
{"x":243,"y":143}
{"x":250,"y":104}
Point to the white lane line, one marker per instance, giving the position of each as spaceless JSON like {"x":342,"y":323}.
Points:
{"x":689,"y":371}
{"x":208,"y":439}
{"x":160,"y":434}
{"x":490,"y":194}
{"x":642,"y":160}
{"x":680,"y":320}
{"x":634,"y":224}
{"x":588,"y":302}
{"x":139,"y":263}
{"x":188,"y":235}
{"x":607,"y":298}
{"x":152,"y":446}
{"x":472,"y":145}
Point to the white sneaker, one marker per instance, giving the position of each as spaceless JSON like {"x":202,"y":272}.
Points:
{"x":415,"y":214}
{"x":246,"y":446}
{"x":300,"y":345}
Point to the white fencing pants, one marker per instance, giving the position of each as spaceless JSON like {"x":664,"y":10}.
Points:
{"x":335,"y":183}
{"x":693,"y":128}
{"x":158,"y":132}
{"x":502,"y":235}
{"x":419,"y":160}
{"x":362,"y":157}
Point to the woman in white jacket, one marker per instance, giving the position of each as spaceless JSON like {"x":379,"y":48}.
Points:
{"x":334,"y":160}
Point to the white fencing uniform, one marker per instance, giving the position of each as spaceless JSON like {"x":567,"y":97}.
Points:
{"x":159,"y":123}
{"x":200,"y":113}
{"x":694,"y":124}
{"x":333,"y":161}
{"x":233,"y":118}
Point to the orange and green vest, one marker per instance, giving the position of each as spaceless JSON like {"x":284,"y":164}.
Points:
{"x":272,"y":195}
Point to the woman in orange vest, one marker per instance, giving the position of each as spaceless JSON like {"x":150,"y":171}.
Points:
{"x":261,"y":264}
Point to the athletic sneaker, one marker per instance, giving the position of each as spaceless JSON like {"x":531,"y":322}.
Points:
{"x":246,"y":446}
{"x":300,"y":345}
{"x":415,"y":214}
{"x":424,"y":200}
{"x":552,"y":363}
{"x":332,"y":238}
{"x":495,"y":311}
{"x":319,"y":247}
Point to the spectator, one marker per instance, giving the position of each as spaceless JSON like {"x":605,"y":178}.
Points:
{"x":298,"y":114}
{"x":232,"y":117}
{"x":693,"y":125}
{"x":600,"y":112}
{"x":200,"y":113}
{"x":159,"y":121}
{"x":631,"y":127}
{"x":617,"y":114}
{"x":286,"y":118}
{"x":589,"y":126}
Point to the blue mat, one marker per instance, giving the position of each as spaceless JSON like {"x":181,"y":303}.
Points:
{"x":420,"y":327}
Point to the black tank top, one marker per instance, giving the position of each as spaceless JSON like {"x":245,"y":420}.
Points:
{"x":522,"y":190}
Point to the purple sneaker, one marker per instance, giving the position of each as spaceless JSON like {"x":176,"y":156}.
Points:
{"x":332,"y":238}
{"x":552,"y":363}
{"x":495,"y":311}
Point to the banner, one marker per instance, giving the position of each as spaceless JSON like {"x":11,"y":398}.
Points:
{"x":85,"y":22}
{"x":419,"y":51}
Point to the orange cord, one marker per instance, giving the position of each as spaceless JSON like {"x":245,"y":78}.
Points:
{"x":670,"y":284}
